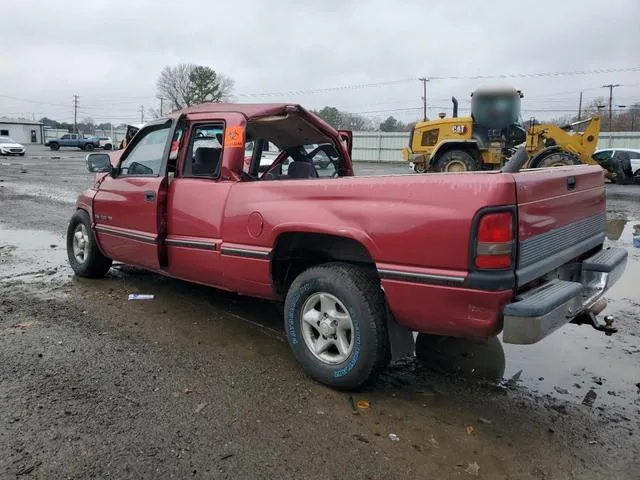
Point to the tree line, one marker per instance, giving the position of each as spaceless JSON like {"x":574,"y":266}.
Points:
{"x":187,"y":84}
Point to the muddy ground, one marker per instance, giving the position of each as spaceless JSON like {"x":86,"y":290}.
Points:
{"x":201,"y":384}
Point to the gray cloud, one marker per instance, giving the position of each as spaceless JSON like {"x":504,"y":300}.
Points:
{"x":110,"y":52}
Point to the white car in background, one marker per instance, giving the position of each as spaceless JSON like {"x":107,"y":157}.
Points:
{"x":10,"y":147}
{"x":605,"y":154}
{"x":105,"y":142}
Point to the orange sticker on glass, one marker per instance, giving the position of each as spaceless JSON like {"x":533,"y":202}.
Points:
{"x":234,"y":136}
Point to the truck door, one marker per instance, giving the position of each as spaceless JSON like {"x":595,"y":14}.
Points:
{"x":129,"y":208}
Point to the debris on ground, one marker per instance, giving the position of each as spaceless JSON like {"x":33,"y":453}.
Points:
{"x":363,"y":404}
{"x":354,"y":408}
{"x":472,"y":468}
{"x":29,"y":469}
{"x":434,"y":443}
{"x":361,"y":438}
{"x":53,"y":245}
{"x":560,"y":409}
{"x":589,"y":398}
{"x":25,"y":325}
{"x":484,"y":420}
{"x":141,"y":296}
{"x":393,"y":437}
{"x":200,"y":407}
{"x":228,"y":455}
{"x":513,"y":380}
{"x":598,"y":380}
{"x":469,"y":429}
{"x":561,"y":391}
{"x":187,"y":391}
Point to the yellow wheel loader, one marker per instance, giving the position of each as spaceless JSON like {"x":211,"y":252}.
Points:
{"x":490,"y":136}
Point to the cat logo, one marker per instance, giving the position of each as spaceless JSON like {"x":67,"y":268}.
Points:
{"x":458,"y":129}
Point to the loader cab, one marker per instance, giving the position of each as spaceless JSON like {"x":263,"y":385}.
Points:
{"x":496,"y":116}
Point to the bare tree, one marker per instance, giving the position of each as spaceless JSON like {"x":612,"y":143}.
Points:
{"x":187,"y":84}
{"x":225,"y":87}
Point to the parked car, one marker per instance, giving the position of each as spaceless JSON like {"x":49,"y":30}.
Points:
{"x":607,"y":155}
{"x":357,"y":263}
{"x":10,"y":147}
{"x":105,"y":143}
{"x":73,"y":140}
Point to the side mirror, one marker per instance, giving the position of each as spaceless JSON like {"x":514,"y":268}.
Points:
{"x":98,"y":163}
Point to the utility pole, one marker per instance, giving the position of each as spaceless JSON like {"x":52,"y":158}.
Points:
{"x":580,"y":107}
{"x":424,"y":81}
{"x":141,"y":113}
{"x":75,"y":114}
{"x":161,"y":99}
{"x":610,"y":87}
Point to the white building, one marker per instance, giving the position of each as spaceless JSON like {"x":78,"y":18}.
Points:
{"x":22,"y":131}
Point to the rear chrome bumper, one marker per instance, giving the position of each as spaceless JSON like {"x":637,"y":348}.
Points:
{"x":539,"y":312}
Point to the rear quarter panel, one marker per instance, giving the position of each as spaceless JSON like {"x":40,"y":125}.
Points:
{"x":414,"y":221}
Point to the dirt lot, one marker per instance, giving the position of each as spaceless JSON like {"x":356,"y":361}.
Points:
{"x":201,"y":384}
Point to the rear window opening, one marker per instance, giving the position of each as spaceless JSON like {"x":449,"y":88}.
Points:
{"x":282,"y":147}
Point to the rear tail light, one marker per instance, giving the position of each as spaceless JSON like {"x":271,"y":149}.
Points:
{"x":494,"y":242}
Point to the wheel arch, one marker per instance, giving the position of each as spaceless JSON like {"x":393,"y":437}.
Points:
{"x":470,"y":146}
{"x":296,"y":250}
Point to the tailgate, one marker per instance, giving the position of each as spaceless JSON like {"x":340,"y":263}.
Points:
{"x":561,"y":215}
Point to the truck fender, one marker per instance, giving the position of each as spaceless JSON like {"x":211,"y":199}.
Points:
{"x":345,"y":232}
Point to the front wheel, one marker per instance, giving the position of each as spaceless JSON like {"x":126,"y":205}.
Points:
{"x":85,"y":257}
{"x":54,"y":146}
{"x":335,"y":322}
{"x":89,"y":147}
{"x":455,"y":161}
{"x":107,"y":146}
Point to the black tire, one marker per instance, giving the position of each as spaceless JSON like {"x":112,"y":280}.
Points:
{"x":22,"y":154}
{"x":95,"y":264}
{"x":89,"y":147}
{"x":557,"y":159}
{"x":456,"y":161}
{"x":54,"y":146}
{"x":108,"y":146}
{"x":361,"y":295}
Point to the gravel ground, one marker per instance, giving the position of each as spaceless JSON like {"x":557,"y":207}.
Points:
{"x":200,"y":384}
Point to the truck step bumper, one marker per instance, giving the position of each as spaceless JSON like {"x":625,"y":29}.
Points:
{"x":538,"y":312}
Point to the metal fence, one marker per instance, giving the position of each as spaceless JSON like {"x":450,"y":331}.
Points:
{"x":386,"y":146}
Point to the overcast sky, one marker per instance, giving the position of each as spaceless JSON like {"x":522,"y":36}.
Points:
{"x":110,"y":52}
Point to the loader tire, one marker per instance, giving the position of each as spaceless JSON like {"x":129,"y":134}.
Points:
{"x":558,"y":159}
{"x":456,"y":161}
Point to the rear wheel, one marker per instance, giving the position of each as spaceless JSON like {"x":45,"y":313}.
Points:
{"x":107,"y":146}
{"x":85,"y":257}
{"x":54,"y":146}
{"x":335,"y":321}
{"x":89,"y":147}
{"x":557,"y":159}
{"x":456,"y":161}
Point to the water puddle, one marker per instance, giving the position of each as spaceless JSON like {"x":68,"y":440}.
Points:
{"x":575,"y":359}
{"x":32,"y":256}
{"x":44,"y":192}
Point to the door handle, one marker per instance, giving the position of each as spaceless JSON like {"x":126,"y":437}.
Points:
{"x":571,"y":183}
{"x":149,"y":196}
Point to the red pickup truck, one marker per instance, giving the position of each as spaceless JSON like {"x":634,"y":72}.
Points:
{"x":359,"y":262}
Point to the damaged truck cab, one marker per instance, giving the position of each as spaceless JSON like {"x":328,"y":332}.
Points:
{"x":359,"y":262}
